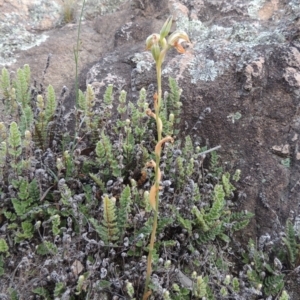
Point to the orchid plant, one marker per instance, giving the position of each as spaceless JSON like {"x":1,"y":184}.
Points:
{"x":159,"y":44}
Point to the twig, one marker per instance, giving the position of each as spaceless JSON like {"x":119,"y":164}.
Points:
{"x":210,"y":150}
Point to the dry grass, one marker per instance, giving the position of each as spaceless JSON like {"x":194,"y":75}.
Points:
{"x":69,"y":8}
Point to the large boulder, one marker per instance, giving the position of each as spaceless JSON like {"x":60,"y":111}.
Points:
{"x":240,"y":79}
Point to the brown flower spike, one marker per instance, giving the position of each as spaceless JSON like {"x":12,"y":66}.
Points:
{"x":159,"y":44}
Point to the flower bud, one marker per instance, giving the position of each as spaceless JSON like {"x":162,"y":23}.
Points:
{"x":163,"y":43}
{"x":166,"y":27}
{"x":130,"y":289}
{"x":171,"y":118}
{"x":227,"y":279}
{"x":167,"y":264}
{"x":28,"y":135}
{"x":151,"y":40}
{"x":155,"y":50}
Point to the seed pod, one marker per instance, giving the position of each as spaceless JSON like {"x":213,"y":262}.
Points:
{"x":155,"y":50}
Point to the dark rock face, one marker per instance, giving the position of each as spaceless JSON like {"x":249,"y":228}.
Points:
{"x":244,"y":68}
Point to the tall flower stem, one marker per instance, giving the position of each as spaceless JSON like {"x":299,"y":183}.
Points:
{"x":157,"y":161}
{"x":159,"y":46}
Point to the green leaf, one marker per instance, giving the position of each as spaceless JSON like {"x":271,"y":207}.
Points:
{"x":124,"y":209}
{"x":42,"y":292}
{"x":46,"y":248}
{"x":19,"y":206}
{"x":2,"y":271}
{"x":5,"y":84}
{"x":13,"y":294}
{"x":51,"y":103}
{"x":22,"y":87}
{"x":14,"y":140}
{"x":59,"y":289}
{"x":108,"y":231}
{"x":3,"y":246}
{"x":108,"y":95}
{"x":103,"y":284}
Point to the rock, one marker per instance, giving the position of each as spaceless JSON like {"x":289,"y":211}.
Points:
{"x":255,"y":69}
{"x":282,"y":150}
{"x":19,"y":22}
{"x":240,"y":53}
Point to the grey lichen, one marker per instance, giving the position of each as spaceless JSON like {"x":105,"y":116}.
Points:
{"x":295,"y":6}
{"x":144,"y":61}
{"x":204,"y":69}
{"x":254,"y":7}
{"x":17,"y":39}
{"x":216,"y":48}
{"x":16,"y":25}
{"x":103,"y":7}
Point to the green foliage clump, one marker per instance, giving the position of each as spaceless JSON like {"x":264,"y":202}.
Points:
{"x":2,"y":270}
{"x":67,"y":186}
{"x":261,"y":274}
{"x":290,"y":241}
{"x":3,"y":246}
{"x":59,"y":289}
{"x":46,"y":248}
{"x":41,"y":291}
{"x":108,"y":231}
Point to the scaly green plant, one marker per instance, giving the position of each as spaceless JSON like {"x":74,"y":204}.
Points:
{"x":200,"y":288}
{"x":3,"y":155}
{"x":137,"y":116}
{"x":109,"y":230}
{"x":261,"y":274}
{"x":86,"y":104}
{"x":59,"y":289}
{"x":46,"y":248}
{"x":43,"y":292}
{"x":106,"y":158}
{"x":159,"y":45}
{"x":22,"y":85}
{"x":15,"y":147}
{"x":26,"y":232}
{"x":8,"y":93}
{"x":2,"y":270}
{"x":215,"y":167}
{"x":3,"y":247}
{"x":123,"y":211}
{"x":24,"y":209}
{"x":46,"y":111}
{"x":290,"y":241}
{"x":284,"y":295}
{"x":171,"y":108}
{"x":5,"y":87}
{"x":27,"y":197}
{"x":215,"y":220}
{"x":121,"y":152}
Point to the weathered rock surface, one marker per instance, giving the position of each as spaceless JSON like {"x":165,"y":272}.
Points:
{"x":243,"y":61}
{"x":242,"y":69}
{"x":26,"y":24}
